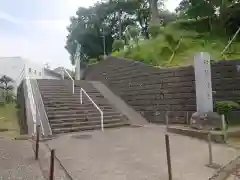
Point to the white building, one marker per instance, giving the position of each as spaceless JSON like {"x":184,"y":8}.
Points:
{"x":14,"y":67}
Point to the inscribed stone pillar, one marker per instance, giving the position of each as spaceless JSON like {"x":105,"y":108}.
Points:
{"x":203,"y":82}
{"x":78,"y":63}
{"x":78,"y":71}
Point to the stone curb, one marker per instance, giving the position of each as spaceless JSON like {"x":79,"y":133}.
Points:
{"x":225,"y":171}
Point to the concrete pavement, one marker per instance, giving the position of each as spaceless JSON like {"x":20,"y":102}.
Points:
{"x":136,"y":154}
{"x":17,"y":161}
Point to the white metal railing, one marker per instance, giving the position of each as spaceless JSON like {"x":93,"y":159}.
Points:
{"x":20,"y":76}
{"x":35,"y":114}
{"x":40,"y":108}
{"x":81,"y":100}
{"x":33,"y":106}
{"x":64,"y":70}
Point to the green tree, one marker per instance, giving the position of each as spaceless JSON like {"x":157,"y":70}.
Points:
{"x":96,"y":27}
{"x":154,"y":30}
{"x":134,"y":34}
{"x":5,"y":82}
{"x":211,"y":9}
{"x":118,"y":44}
{"x":154,"y":9}
{"x":143,"y":16}
{"x":173,"y":46}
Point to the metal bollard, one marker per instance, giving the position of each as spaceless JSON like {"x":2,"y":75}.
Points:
{"x":210,"y":149}
{"x":211,"y":164}
{"x":51,"y":170}
{"x":168,"y":156}
{"x":37,"y":142}
{"x":224,"y":128}
{"x":167,"y":121}
{"x":187,"y":118}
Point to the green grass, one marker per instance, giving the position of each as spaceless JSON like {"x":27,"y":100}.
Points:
{"x":8,"y":121}
{"x":150,"y":51}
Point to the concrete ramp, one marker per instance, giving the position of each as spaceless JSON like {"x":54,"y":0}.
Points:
{"x":134,"y":117}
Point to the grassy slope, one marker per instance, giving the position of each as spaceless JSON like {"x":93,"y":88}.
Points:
{"x":8,"y":121}
{"x":150,"y":51}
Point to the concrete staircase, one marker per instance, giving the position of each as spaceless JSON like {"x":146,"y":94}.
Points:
{"x":66,"y":114}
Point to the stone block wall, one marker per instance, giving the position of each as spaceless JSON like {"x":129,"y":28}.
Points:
{"x":154,"y":91}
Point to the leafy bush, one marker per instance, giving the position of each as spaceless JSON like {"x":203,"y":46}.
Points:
{"x":154,"y":30}
{"x":199,"y":25}
{"x":133,"y":31}
{"x":158,"y":51}
{"x":118,"y":44}
{"x":225,"y":107}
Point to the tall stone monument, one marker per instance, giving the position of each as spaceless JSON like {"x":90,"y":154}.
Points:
{"x":78,"y":63}
{"x":203,"y":82}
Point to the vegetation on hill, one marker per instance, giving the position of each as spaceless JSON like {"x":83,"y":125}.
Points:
{"x":152,"y":34}
{"x":154,"y":51}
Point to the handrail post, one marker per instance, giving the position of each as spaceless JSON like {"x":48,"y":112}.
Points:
{"x":73,"y":89}
{"x":102,"y":121}
{"x":101,"y":112}
{"x":81,"y":100}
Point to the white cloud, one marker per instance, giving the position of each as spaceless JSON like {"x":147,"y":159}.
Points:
{"x":9,"y":18}
{"x":43,"y":42}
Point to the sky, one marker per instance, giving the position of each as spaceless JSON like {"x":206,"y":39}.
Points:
{"x":36,"y":29}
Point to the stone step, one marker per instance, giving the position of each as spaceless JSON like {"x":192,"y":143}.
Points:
{"x":58,"y":92}
{"x":86,"y":111}
{"x":83,"y":119}
{"x":86,"y":123}
{"x":64,"y":89}
{"x":81,"y":108}
{"x":71,"y":97}
{"x":53,"y":89}
{"x":67,"y":114}
{"x":90,"y":115}
{"x":51,"y":84}
{"x":85,"y":128}
{"x":68,"y":94}
{"x":73,"y":104}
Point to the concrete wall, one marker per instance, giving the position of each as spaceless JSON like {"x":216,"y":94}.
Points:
{"x":153,"y":91}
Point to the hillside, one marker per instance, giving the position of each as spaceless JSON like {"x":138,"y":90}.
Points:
{"x":153,"y":51}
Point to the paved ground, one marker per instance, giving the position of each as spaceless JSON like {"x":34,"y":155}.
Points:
{"x":17,"y":161}
{"x":136,"y":154}
{"x":44,"y":163}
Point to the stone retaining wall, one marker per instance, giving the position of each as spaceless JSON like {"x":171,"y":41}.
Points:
{"x":153,"y":91}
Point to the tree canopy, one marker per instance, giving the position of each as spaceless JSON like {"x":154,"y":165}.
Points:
{"x":96,"y":28}
{"x":222,"y":10}
{"x":106,"y":21}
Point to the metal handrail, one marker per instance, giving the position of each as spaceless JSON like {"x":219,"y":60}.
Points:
{"x":34,"y":108}
{"x":41,"y":104}
{"x":21,"y":75}
{"x":64,"y":70}
{"x":31,"y":101}
{"x":81,"y":100}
